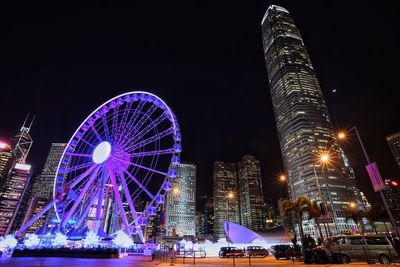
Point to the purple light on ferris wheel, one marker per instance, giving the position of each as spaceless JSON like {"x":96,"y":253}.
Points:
{"x":123,"y":152}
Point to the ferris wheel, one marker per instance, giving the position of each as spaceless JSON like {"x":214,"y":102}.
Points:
{"x":118,"y":165}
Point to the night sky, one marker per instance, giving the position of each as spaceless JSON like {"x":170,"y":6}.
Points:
{"x":205,"y":59}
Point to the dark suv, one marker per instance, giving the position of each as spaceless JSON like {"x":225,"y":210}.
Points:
{"x":257,"y":251}
{"x":230,"y":252}
{"x":281,"y":251}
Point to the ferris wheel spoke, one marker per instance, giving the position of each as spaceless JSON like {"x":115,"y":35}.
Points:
{"x":79,"y":155}
{"x":86,"y":142}
{"x":121,"y":178}
{"x":135,"y":127}
{"x":87,"y":209}
{"x":96,"y":133}
{"x":79,"y":198}
{"x":151,"y":139}
{"x":82,"y":176}
{"x":79,"y":167}
{"x":131,"y":121}
{"x":140,"y":185}
{"x":105,"y":126}
{"x":114,"y":120}
{"x":152,"y":153}
{"x":140,"y":166}
{"x":149,"y":127}
{"x":118,"y":199}
{"x":124,"y":118}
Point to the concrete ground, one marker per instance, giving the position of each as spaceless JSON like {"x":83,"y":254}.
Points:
{"x":139,"y":261}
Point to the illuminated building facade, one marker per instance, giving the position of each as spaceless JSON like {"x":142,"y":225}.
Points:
{"x":180,"y":208}
{"x":252,"y":213}
{"x":392,"y":195}
{"x":303,"y":122}
{"x":12,"y":194}
{"x":43,"y":184}
{"x":394,"y":144}
{"x":7,"y":157}
{"x":226,"y":208}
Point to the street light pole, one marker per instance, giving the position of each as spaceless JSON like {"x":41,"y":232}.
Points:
{"x":391,"y":218}
{"x":227,"y":218}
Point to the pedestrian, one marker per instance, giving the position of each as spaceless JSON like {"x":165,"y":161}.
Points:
{"x":319,"y":241}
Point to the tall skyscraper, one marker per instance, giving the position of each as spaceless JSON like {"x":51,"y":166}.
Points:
{"x":12,"y":195}
{"x":303,"y":122}
{"x":43,"y":184}
{"x":251,"y":195}
{"x":7,"y":156}
{"x":180,"y":209}
{"x":394,"y":144}
{"x":226,"y":199}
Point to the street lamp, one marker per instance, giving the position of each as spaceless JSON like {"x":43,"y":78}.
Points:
{"x":341,"y":136}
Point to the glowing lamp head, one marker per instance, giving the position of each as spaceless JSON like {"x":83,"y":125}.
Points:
{"x":175,"y":190}
{"x":352,"y":205}
{"x":282,"y":178}
{"x":324,"y":158}
{"x":230,"y":195}
{"x":341,"y":135}
{"x":101,"y":152}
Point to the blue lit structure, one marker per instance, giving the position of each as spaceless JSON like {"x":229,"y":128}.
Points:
{"x":126,"y":149}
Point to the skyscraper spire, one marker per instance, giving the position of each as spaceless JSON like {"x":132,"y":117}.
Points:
{"x":23,"y":141}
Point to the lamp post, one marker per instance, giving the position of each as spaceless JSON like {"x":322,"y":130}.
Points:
{"x":342,"y":136}
{"x":325,"y":159}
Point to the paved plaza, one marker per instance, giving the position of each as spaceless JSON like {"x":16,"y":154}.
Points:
{"x":138,"y":261}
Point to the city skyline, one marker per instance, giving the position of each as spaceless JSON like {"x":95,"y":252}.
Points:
{"x":228,"y":98}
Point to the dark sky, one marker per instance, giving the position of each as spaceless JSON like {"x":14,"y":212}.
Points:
{"x":205,"y":59}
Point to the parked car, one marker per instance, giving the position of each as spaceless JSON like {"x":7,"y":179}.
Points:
{"x":257,"y":251}
{"x":363,"y":248}
{"x":229,"y":252}
{"x":281,"y":251}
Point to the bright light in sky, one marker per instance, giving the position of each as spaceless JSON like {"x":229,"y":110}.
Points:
{"x":101,"y":152}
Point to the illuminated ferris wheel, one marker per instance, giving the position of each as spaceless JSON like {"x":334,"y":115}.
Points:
{"x":118,"y":165}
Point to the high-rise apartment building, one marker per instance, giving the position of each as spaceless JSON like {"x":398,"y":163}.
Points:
{"x":252,"y":205}
{"x":226,"y":199}
{"x":304,"y":126}
{"x":11,"y":196}
{"x":180,"y":209}
{"x":394,"y":144}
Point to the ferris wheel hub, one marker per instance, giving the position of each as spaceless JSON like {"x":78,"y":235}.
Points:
{"x":101,"y":152}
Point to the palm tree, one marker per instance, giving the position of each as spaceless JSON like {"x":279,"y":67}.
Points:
{"x":314,"y":212}
{"x":298,"y":206}
{"x":353,"y":212}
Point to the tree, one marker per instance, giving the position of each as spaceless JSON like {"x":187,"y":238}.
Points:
{"x":298,"y":207}
{"x":352,"y":212}
{"x":314,"y":212}
{"x":123,"y":240}
{"x":7,"y":242}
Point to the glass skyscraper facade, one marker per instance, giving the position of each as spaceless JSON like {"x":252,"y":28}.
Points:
{"x":11,"y":196}
{"x":252,"y":206}
{"x":304,"y":126}
{"x":43,"y":184}
{"x":225,"y":208}
{"x":180,"y":207}
{"x":394,"y":144}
